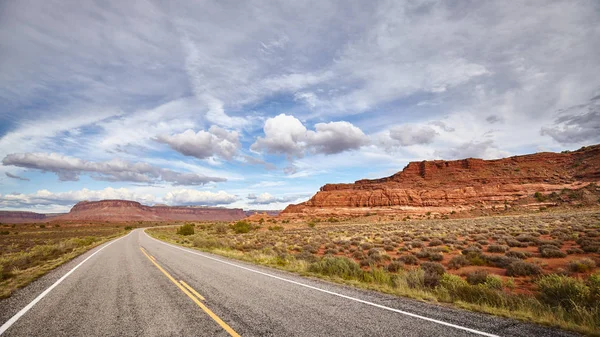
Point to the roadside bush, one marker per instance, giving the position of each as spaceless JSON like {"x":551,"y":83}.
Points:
{"x":458,"y":261}
{"x":337,"y":266}
{"x":522,"y":268}
{"x":394,"y":266}
{"x":221,"y":228}
{"x":185,"y":230}
{"x":408,"y":259}
{"x":582,"y":266}
{"x":208,"y":243}
{"x":415,"y":278}
{"x":477,"y":277}
{"x":306,"y":256}
{"x":565,"y":291}
{"x":128,"y":228}
{"x":4,"y":273}
{"x":493,"y":282}
{"x":497,"y":249}
{"x":433,"y":273}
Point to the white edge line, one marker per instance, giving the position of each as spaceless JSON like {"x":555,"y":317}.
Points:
{"x":331,"y":292}
{"x":23,"y":311}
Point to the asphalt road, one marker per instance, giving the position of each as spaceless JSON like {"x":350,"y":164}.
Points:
{"x":132,"y":287}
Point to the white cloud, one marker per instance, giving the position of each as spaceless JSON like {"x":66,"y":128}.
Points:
{"x":267,"y":198}
{"x":204,"y":144}
{"x":406,"y":135}
{"x":287,"y":135}
{"x":194,"y":197}
{"x":484,"y":149}
{"x":69,"y":168}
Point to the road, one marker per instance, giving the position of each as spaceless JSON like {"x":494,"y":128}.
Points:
{"x":139,"y":286}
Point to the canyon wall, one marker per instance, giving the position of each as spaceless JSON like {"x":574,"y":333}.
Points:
{"x":441,"y":185}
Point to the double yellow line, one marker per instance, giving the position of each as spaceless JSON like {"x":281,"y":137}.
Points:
{"x":193,"y":294}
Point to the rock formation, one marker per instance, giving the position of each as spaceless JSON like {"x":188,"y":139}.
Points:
{"x":443,"y":186}
{"x":125,"y":210}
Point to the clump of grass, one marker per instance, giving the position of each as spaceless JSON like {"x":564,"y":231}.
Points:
{"x":582,"y":266}
{"x":522,"y":268}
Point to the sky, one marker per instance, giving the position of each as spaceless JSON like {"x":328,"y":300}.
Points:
{"x":256,"y":104}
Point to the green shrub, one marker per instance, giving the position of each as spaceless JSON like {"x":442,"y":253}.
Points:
{"x":477,"y":277}
{"x":552,"y":253}
{"x":493,"y":282}
{"x":395,"y":266}
{"x":458,"y":261}
{"x":433,"y":273}
{"x":565,"y":291}
{"x":128,"y":228}
{"x":185,"y":230}
{"x":435,"y":242}
{"x":4,"y":232}
{"x":408,"y":259}
{"x":337,"y":266}
{"x":436,"y":256}
{"x":582,"y":266}
{"x":242,"y":227}
{"x":518,"y":255}
{"x":415,"y":278}
{"x":522,"y":268}
{"x":275,"y":228}
{"x":497,"y":249}
{"x":220,"y":228}
{"x":208,"y":243}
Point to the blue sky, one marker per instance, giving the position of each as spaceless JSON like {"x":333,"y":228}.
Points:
{"x":258,"y":104}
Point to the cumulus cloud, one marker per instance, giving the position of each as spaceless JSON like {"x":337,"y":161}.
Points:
{"x":410,"y":134}
{"x":578,"y":124}
{"x":267,"y":198}
{"x":200,"y":198}
{"x":287,"y":135}
{"x":69,"y":169}
{"x":14,"y":176}
{"x":204,"y":144}
{"x":473,"y":149}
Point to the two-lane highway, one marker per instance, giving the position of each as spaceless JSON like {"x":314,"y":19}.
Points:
{"x":139,"y":286}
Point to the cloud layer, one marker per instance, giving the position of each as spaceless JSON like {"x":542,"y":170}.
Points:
{"x":69,"y":169}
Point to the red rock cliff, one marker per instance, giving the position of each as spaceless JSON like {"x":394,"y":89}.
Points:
{"x":463,"y":183}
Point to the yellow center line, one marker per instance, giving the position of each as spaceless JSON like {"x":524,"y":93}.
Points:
{"x":187,"y":286}
{"x":196,"y":300}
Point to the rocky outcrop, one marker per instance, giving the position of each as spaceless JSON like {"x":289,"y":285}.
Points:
{"x":459,"y":184}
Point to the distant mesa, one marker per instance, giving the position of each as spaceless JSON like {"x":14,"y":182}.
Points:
{"x":445,"y":186}
{"x":126,"y":210}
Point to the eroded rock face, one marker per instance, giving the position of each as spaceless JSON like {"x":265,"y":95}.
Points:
{"x":459,"y":184}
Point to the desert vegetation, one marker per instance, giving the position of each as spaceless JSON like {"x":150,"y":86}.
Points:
{"x":541,"y":268}
{"x":28,"y":251}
